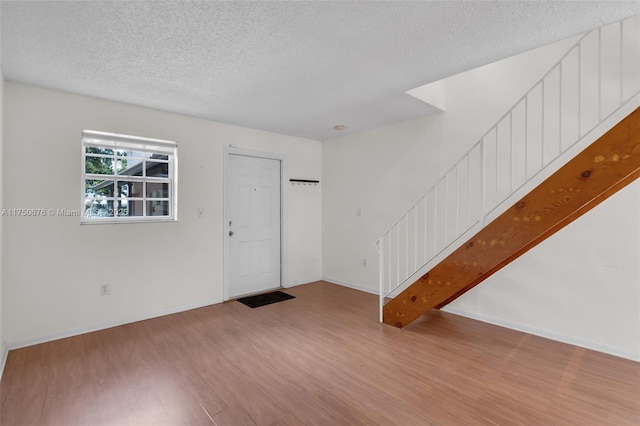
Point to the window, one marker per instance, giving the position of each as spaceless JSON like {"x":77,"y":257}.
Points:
{"x":128,"y":178}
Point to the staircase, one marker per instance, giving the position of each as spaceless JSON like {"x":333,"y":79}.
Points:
{"x":495,"y":203}
{"x":598,"y":172}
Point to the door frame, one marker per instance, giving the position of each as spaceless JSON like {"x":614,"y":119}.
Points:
{"x":284,"y":248}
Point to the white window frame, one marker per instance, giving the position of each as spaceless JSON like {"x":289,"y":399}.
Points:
{"x":119,"y":142}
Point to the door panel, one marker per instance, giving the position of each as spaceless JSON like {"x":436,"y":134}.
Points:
{"x":254,"y":217}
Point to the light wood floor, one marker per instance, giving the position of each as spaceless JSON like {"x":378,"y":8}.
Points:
{"x":321,"y":358}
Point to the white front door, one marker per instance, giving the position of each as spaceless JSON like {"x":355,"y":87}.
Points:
{"x":253,"y":198}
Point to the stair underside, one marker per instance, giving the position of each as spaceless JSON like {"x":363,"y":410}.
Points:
{"x":602,"y":169}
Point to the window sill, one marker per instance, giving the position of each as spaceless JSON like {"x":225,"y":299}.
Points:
{"x":120,"y":221}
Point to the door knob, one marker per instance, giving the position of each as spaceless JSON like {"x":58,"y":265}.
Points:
{"x":231,"y":233}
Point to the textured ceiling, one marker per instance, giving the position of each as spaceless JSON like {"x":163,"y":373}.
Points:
{"x":297,"y":68}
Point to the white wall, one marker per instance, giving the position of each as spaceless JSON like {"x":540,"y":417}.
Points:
{"x":52,"y":266}
{"x":581,"y":285}
{"x":385,"y":171}
{"x":3,"y":346}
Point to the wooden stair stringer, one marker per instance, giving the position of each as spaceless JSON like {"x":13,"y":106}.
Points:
{"x":592,"y":176}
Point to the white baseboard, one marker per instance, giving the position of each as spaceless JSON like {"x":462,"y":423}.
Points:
{"x":548,"y":334}
{"x":298,"y":282}
{"x":108,"y":324}
{"x":353,"y":286}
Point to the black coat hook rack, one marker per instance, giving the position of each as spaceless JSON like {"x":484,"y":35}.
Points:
{"x":304,"y":182}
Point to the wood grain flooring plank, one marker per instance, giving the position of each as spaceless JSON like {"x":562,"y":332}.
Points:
{"x":319,"y":359}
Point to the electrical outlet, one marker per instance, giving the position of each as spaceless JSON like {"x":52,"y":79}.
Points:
{"x":105,"y":289}
{"x":364,"y":262}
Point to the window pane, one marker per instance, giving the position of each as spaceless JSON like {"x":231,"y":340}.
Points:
{"x":128,"y":160}
{"x":121,"y":165}
{"x":157,"y":190}
{"x":89,"y":184}
{"x":131,"y":168}
{"x":130,"y":208}
{"x":96,"y":208}
{"x":98,"y":188}
{"x":157,"y":208}
{"x":131,"y":164}
{"x":96,"y":150}
{"x":131,"y":154}
{"x":130,"y":189}
{"x":155,"y":169}
{"x":98,"y":165}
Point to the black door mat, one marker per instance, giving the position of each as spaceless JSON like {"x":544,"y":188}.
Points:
{"x":265,"y":299}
